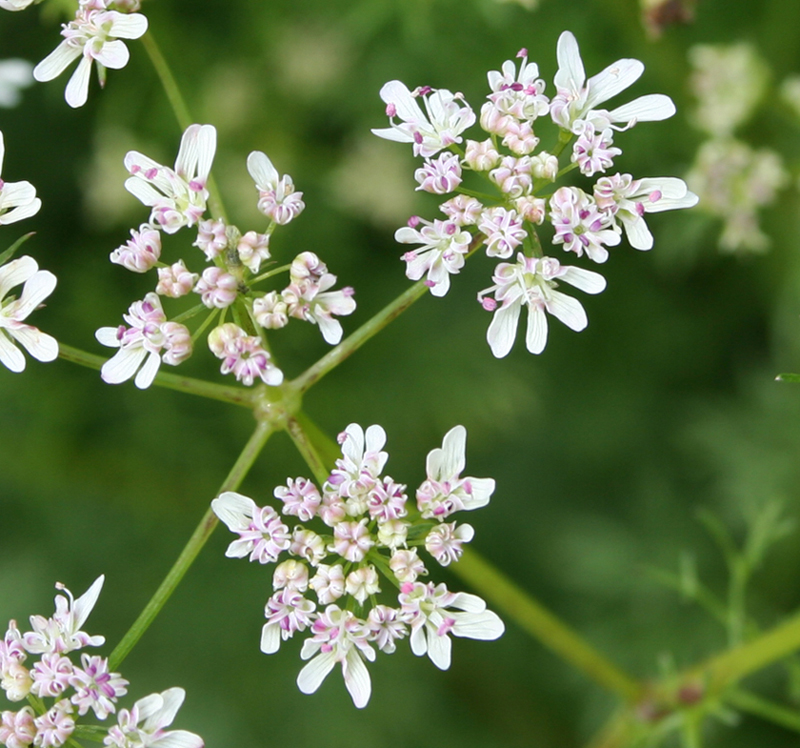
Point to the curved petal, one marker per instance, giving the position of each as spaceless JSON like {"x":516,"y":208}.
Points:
{"x":86,"y":602}
{"x":586,"y":280}
{"x":77,"y":90}
{"x":148,"y":372}
{"x":392,"y":133}
{"x":310,"y":678}
{"x":178,"y":739}
{"x":56,"y":62}
{"x":639,"y":236}
{"x":568,"y":310}
{"x":485,"y":626}
{"x":649,"y":108}
{"x":108,"y":336}
{"x":143,"y":191}
{"x":454,"y":448}
{"x":270,"y":638}
{"x":10,"y":356}
{"x":36,"y":290}
{"x":536,"y":332}
{"x":612,"y":80}
{"x":113,"y":54}
{"x":128,"y":25}
{"x":172,"y":701}
{"x":122,"y":366}
{"x":260,"y":168}
{"x":234,"y":510}
{"x":16,"y":272}
{"x":439,"y":650}
{"x":418,"y":641}
{"x":356,"y":679}
{"x":503,"y":329}
{"x":571,"y":74}
{"x":40,"y":345}
{"x":21,"y":212}
{"x":397,"y":93}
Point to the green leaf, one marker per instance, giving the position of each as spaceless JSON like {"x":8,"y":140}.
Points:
{"x":9,"y":253}
{"x":788,"y":378}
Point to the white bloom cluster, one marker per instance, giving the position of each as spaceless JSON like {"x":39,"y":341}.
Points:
{"x":178,"y":199}
{"x":354,"y":531}
{"x":65,"y":692}
{"x":585,"y":223}
{"x":733,"y":179}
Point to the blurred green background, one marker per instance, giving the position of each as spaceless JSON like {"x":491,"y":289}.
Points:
{"x":603,"y":448}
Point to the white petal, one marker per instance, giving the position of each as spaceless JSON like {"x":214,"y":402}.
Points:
{"x":17,"y":193}
{"x":108,"y":336}
{"x":397,"y":93}
{"x":206,"y":148}
{"x":485,"y":626}
{"x":571,"y":74}
{"x":356,"y":679}
{"x":234,"y":510}
{"x":468,"y":603}
{"x":270,"y":638}
{"x":114,"y":55}
{"x":311,"y":676}
{"x":21,"y":212}
{"x":148,"y":372}
{"x":86,"y":602}
{"x":609,"y":82}
{"x":568,"y":310}
{"x":418,"y":641}
{"x":650,"y":108}
{"x":172,"y":700}
{"x":178,"y":739}
{"x":10,"y":356}
{"x":392,"y":133}
{"x":16,"y":272}
{"x":439,"y":649}
{"x":128,"y":25}
{"x":56,"y":62}
{"x":586,"y":280}
{"x":2,"y":150}
{"x":503,"y":329}
{"x":260,"y":168}
{"x":638,"y":234}
{"x":40,"y":345}
{"x":536,"y":333}
{"x":148,"y":706}
{"x":482,"y":490}
{"x":330,"y":328}
{"x":122,"y":366}
{"x":145,"y":192}
{"x":36,"y":290}
{"x":78,"y":87}
{"x":454,"y":448}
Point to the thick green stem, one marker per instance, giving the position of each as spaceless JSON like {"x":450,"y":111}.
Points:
{"x":263,"y":431}
{"x":536,"y":620}
{"x":181,"y":111}
{"x":235,"y":395}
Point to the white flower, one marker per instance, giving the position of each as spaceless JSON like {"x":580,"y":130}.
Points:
{"x":39,"y":284}
{"x":277,"y":197}
{"x":140,"y":345}
{"x":446,"y":118}
{"x":177,"y":197}
{"x":92,"y":35}
{"x":143,"y":726}
{"x":532,"y":282}
{"x":445,"y":491}
{"x":62,"y":633}
{"x":444,"y":244}
{"x":338,"y":637}
{"x":17,"y":199}
{"x":519,"y":94}
{"x":261,"y":533}
{"x":15,"y":4}
{"x":628,"y":199}
{"x":14,"y":75}
{"x":429,"y":611}
{"x":576,"y":98}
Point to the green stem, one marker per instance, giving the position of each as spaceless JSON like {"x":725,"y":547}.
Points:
{"x":745,"y":701}
{"x":307,"y":450}
{"x":731,"y":666}
{"x":223,"y":393}
{"x":181,"y":111}
{"x":245,"y":461}
{"x":535,"y":619}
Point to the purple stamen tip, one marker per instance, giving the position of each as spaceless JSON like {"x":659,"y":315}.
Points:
{"x":522,"y":53}
{"x":391,"y":110}
{"x":655,"y":196}
{"x":430,"y":283}
{"x":151,"y":173}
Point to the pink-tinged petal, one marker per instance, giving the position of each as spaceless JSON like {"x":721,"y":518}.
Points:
{"x":143,"y":191}
{"x":609,"y":82}
{"x":311,"y":676}
{"x":178,"y":739}
{"x":260,"y":168}
{"x":234,"y":510}
{"x":36,"y":290}
{"x":649,"y":108}
{"x":689,"y":200}
{"x":482,"y":490}
{"x":440,"y":279}
{"x":397,"y":93}
{"x":571,"y":74}
{"x":40,"y":345}
{"x":485,"y":626}
{"x":113,"y":55}
{"x":10,"y":356}
{"x":138,"y":162}
{"x":639,"y":236}
{"x":77,"y":90}
{"x":439,"y":650}
{"x":21,"y":212}
{"x":56,"y":62}
{"x":270,"y":638}
{"x":16,"y":272}
{"x":128,"y":25}
{"x":568,"y":310}
{"x":356,"y":679}
{"x":122,"y":366}
{"x":84,"y":605}
{"x":503,"y":329}
{"x":454,"y":448}
{"x":148,"y":372}
{"x":586,"y":280}
{"x":536,"y":332}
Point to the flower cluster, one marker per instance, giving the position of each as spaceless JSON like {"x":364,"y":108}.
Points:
{"x":178,"y":199}
{"x":734,"y":180}
{"x":92,"y":36}
{"x":522,"y":175}
{"x":356,"y":531}
{"x":60,"y":692}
